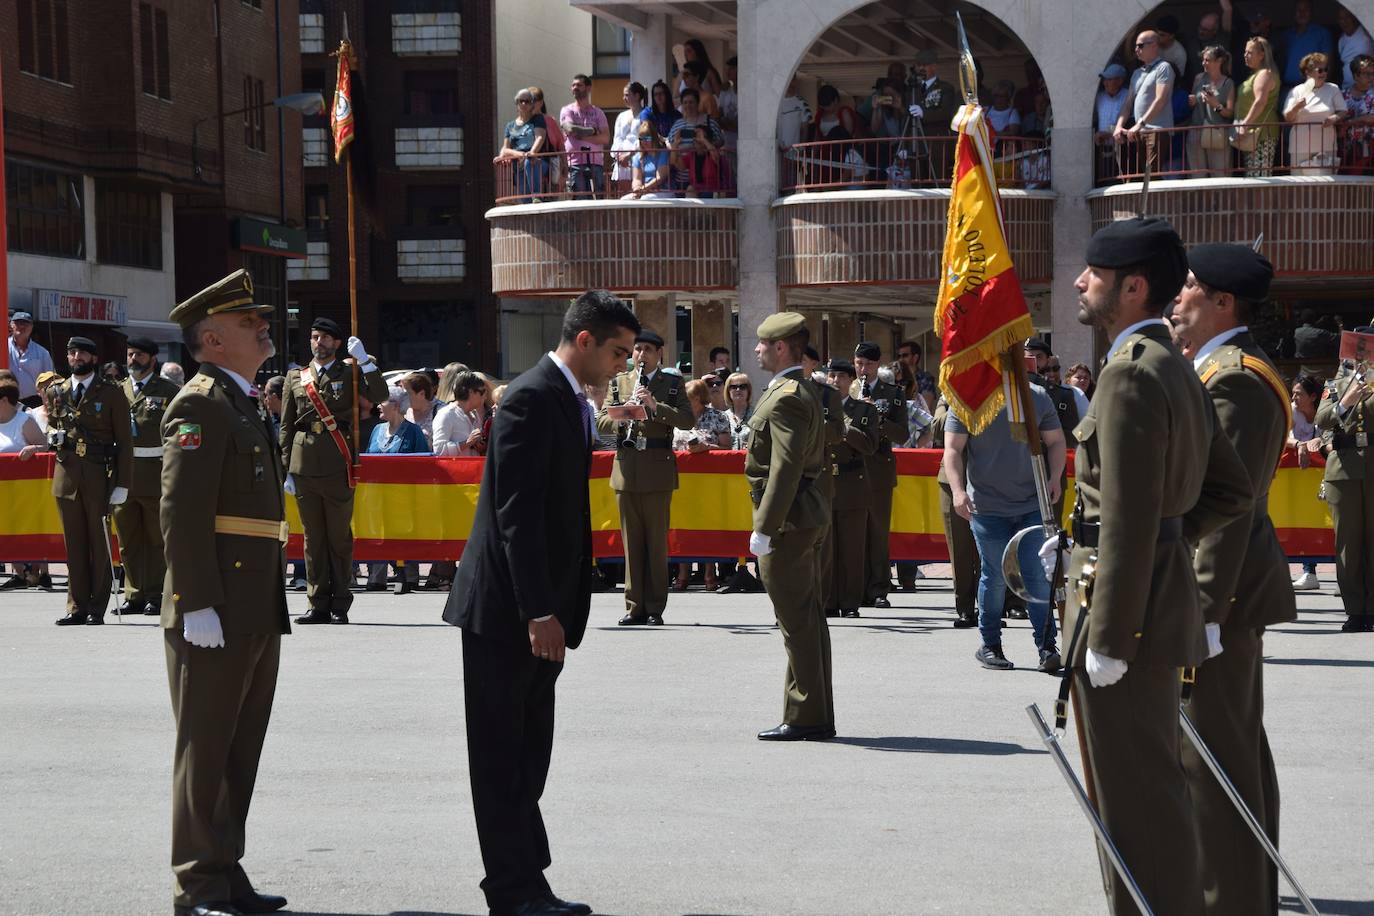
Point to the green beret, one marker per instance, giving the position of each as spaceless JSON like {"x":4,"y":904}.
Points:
{"x":1235,"y":269}
{"x":781,"y":325}
{"x":232,"y":294}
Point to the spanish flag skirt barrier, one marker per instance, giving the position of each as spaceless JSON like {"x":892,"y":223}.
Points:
{"x":422,"y":508}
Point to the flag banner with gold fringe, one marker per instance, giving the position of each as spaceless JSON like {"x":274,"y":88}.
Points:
{"x":341,"y":115}
{"x":981,"y":311}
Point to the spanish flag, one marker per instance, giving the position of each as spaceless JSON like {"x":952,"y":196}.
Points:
{"x":981,"y":312}
{"x":341,"y":116}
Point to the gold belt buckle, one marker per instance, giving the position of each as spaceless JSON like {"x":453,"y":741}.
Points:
{"x":317,"y":427}
{"x":81,"y":449}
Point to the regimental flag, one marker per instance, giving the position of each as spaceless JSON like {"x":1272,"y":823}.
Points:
{"x":341,"y":116}
{"x":981,"y":312}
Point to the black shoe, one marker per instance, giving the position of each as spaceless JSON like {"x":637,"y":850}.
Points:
{"x":259,"y":903}
{"x":655,"y":620}
{"x":992,"y":657}
{"x":132,"y":607}
{"x":405,"y":588}
{"x":850,"y":612}
{"x":540,"y":906}
{"x":75,"y":618}
{"x":339,"y":617}
{"x":45,"y":582}
{"x":798,"y":733}
{"x":1018,"y":613}
{"x":965,"y":621}
{"x":375,"y":587}
{"x":629,"y":620}
{"x":832,"y":612}
{"x":882,"y":604}
{"x":94,"y":620}
{"x":153,"y":607}
{"x":12,"y":583}
{"x":1050,"y":662}
{"x":314,"y":615}
{"x":1356,"y":623}
{"x":208,"y":909}
{"x":570,"y":907}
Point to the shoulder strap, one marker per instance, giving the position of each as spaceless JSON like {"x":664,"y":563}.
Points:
{"x":330,"y":424}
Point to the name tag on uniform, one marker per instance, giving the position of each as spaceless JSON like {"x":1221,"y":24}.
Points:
{"x":1361,"y":440}
{"x":641,"y":443}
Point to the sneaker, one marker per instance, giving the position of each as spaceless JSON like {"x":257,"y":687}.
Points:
{"x":992,"y":657}
{"x":1306,"y":582}
{"x":1050,"y":662}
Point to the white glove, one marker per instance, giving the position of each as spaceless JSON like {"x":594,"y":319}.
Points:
{"x":1213,"y":640}
{"x":916,"y":111}
{"x":359,"y":354}
{"x":289,"y":485}
{"x":201,"y":628}
{"x":1047,"y":556}
{"x":760,"y":545}
{"x":118,"y":495}
{"x":1104,"y":671}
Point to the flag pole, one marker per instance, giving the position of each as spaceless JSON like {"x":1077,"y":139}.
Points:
{"x":342,"y":126}
{"x":353,"y":299}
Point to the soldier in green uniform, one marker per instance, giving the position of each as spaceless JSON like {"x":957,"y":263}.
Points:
{"x":1346,"y":419}
{"x":963,"y":550}
{"x":88,"y":427}
{"x":786,"y":456}
{"x":882,"y":468}
{"x":645,"y":473}
{"x":832,"y":417}
{"x":843,"y":589}
{"x":1066,"y":404}
{"x":317,"y":452}
{"x":1155,"y":473}
{"x":223,"y":520}
{"x":136,"y":521}
{"x":1242,"y":574}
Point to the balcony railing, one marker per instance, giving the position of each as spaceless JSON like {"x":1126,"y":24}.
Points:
{"x":1209,"y":152}
{"x":610,"y":176}
{"x":895,"y":164}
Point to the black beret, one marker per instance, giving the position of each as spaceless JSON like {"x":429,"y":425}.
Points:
{"x":329,"y":326}
{"x":842,"y":365}
{"x":1139,"y":240}
{"x":811,"y":353}
{"x":143,"y":345}
{"x":82,"y":343}
{"x":649,"y":337}
{"x":1038,"y":345}
{"x":1167,"y":23}
{"x":868,"y":350}
{"x":1235,"y":269}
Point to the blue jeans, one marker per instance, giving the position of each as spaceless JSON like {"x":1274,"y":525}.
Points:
{"x":992,"y":534}
{"x":530,"y":178}
{"x":587,"y":179}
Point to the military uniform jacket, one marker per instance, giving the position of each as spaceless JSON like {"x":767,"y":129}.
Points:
{"x":832,"y":416}
{"x":95,"y":431}
{"x":786,"y":454}
{"x":940,"y":102}
{"x":307,"y":447}
{"x":847,"y":456}
{"x":892,"y":427}
{"x":1242,"y":571}
{"x":1065,"y":404}
{"x":1345,"y":459}
{"x":219,"y":461}
{"x":655,"y":468}
{"x":1150,"y":448}
{"x":146,"y":408}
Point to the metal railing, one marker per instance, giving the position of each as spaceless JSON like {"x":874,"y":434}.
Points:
{"x":589,"y":175}
{"x":896,"y":164}
{"x":1262,"y":151}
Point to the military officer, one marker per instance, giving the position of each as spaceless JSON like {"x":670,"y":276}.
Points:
{"x":963,"y":550}
{"x":786,"y":456}
{"x":882,"y":468}
{"x":223,"y":520}
{"x":1155,"y":473}
{"x":317,"y":451}
{"x":88,"y":427}
{"x":136,"y":521}
{"x":1242,"y":574}
{"x":644,"y":475}
{"x":832,"y":418}
{"x":1346,"y":419}
{"x":844,"y":591}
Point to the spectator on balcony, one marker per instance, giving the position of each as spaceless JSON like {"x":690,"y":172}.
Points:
{"x":1151,"y":105}
{"x":1359,"y":133}
{"x":625,"y":136}
{"x":1024,"y":99}
{"x":525,"y":138}
{"x":837,"y":125}
{"x":1314,"y":108}
{"x":1036,"y":122}
{"x":695,"y":143}
{"x":650,"y":167}
{"x":936,"y":102}
{"x":793,"y":116}
{"x":1352,"y":43}
{"x":739,"y":391}
{"x":586,"y":134}
{"x":1170,"y":48}
{"x":715,"y":389}
{"x":695,"y":53}
{"x":729,"y":107}
{"x":556,"y":141}
{"x":421,"y":410}
{"x":457,"y":430}
{"x":693,"y":77}
{"x":1107,"y":106}
{"x":1081,"y":377}
{"x":887,"y":121}
{"x":1302,"y":39}
{"x":896,"y":74}
{"x":660,"y":109}
{"x":1256,"y":134}
{"x":1213,"y":101}
{"x":1213,"y":28}
{"x":1257,"y":25}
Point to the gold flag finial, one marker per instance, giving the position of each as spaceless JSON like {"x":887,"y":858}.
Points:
{"x":968,"y":71}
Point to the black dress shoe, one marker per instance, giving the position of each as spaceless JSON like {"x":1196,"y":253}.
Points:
{"x":850,"y":612}
{"x":540,"y":906}
{"x":259,"y":903}
{"x":208,"y":909}
{"x":966,"y":620}
{"x":882,"y":604}
{"x":570,"y":907}
{"x":1356,"y":623}
{"x":629,"y":620}
{"x":338,"y":617}
{"x":832,"y":612}
{"x":14,"y":582}
{"x":45,"y":582}
{"x":314,"y":615}
{"x":654,"y":620}
{"x":95,"y":620}
{"x":76,"y":618}
{"x":130,"y":607}
{"x":405,"y":588}
{"x":798,"y":733}
{"x":153,"y":607}
{"x":376,"y":587}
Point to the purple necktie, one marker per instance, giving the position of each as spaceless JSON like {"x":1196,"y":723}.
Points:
{"x":586,"y":408}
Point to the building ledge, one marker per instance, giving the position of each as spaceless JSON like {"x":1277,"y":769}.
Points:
{"x":564,"y":206}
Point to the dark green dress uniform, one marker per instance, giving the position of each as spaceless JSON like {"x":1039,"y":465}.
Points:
{"x":223,"y":522}
{"x":1348,"y":484}
{"x":136,"y":521}
{"x":832,"y":417}
{"x":320,"y":471}
{"x":644,"y":477}
{"x":94,"y":455}
{"x":963,"y":550}
{"x":882,"y":480}
{"x":844,"y":590}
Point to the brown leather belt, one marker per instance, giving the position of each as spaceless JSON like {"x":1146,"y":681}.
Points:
{"x":1085,"y":534}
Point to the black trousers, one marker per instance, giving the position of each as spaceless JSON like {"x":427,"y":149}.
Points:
{"x":509,"y":699}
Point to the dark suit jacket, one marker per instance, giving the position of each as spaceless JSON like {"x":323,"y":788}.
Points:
{"x":530,"y":550}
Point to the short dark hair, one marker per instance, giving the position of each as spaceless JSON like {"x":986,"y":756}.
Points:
{"x":696,"y":68}
{"x":190,"y":337}
{"x":465,"y":383}
{"x":582,"y":78}
{"x":827,"y":94}
{"x":732,"y":62}
{"x":1309,"y":384}
{"x":1159,"y":275}
{"x":275,"y":385}
{"x":716,"y":351}
{"x":600,"y":314}
{"x":796,"y":343}
{"x":689,"y":91}
{"x":9,"y":391}
{"x":1245,"y":308}
{"x":419,"y":383}
{"x":911,"y":345}
{"x":637,"y":88}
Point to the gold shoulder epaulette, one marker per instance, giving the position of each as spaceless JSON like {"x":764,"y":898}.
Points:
{"x":201,"y":383}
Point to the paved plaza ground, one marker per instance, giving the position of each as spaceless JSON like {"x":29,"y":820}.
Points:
{"x":936,"y":797}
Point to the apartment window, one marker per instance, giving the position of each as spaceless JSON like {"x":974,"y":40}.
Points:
{"x":43,"y":47}
{"x":432,"y":205}
{"x":252,"y":4}
{"x":431,"y":92}
{"x":317,"y":209}
{"x":610,"y":49}
{"x":157,"y":68}
{"x":128,"y":225}
{"x":43,"y":213}
{"x":254,"y":129}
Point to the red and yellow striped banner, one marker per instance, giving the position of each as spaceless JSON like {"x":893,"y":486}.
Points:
{"x":422,"y":508}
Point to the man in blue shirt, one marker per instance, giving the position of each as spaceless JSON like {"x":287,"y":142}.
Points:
{"x":1302,"y":39}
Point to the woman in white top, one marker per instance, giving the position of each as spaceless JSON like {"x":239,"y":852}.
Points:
{"x":458,"y":425}
{"x":19,"y":432}
{"x":1314,"y":108}
{"x":625,"y":136}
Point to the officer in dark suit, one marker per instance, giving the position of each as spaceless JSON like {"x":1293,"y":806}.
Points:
{"x":136,"y":521}
{"x":317,"y":450}
{"x":882,"y":468}
{"x":1242,"y":573}
{"x":223,"y":520}
{"x":644,"y":475}
{"x":1155,"y":473}
{"x":88,"y":427}
{"x":523,"y":592}
{"x":844,"y":590}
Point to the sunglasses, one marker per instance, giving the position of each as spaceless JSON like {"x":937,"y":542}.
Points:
{"x":1052,"y":367}
{"x":1143,"y":44}
{"x":739,"y":387}
{"x":713,"y":384}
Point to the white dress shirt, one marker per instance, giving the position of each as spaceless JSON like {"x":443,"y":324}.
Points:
{"x":1121,"y":338}
{"x":1210,"y":346}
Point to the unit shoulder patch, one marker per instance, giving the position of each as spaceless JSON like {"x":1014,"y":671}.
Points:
{"x":188,"y":436}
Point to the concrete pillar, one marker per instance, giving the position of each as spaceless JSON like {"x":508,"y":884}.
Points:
{"x":658,"y":315}
{"x":651,"y":51}
{"x":1073,"y":178}
{"x":844,"y":335}
{"x":708,"y":331}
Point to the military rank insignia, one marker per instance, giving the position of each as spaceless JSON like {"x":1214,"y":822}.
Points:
{"x":188,"y":436}
{"x":338,"y":388}
{"x":98,"y":406}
